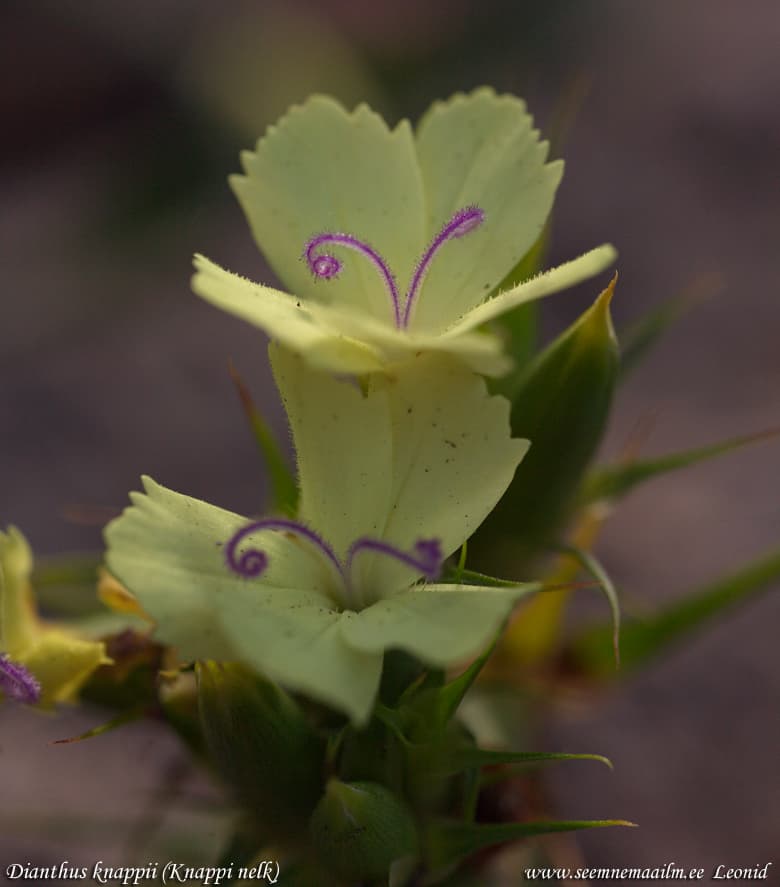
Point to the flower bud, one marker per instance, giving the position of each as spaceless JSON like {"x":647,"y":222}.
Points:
{"x":360,"y":829}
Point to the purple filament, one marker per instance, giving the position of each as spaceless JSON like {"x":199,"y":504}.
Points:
{"x":254,"y":561}
{"x":463,"y":222}
{"x":427,"y":557}
{"x":17,"y":682}
{"x":328,"y":266}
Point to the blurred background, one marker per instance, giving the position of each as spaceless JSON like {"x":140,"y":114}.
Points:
{"x":120,"y":124}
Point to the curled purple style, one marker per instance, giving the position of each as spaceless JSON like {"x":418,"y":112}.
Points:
{"x":17,"y":682}
{"x":254,"y":561}
{"x":463,"y":222}
{"x":327,"y":266}
{"x":426,"y":556}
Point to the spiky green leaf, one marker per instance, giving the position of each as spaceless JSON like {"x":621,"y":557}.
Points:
{"x":616,"y":481}
{"x":643,"y":640}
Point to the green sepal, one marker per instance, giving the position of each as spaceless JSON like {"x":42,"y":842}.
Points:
{"x":642,"y":640}
{"x":262,"y":745}
{"x":561,"y":404}
{"x":360,"y":829}
{"x":448,"y":841}
{"x":284,"y":489}
{"x":615,"y":481}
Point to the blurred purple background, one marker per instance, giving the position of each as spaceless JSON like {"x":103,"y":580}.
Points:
{"x":121,"y":122}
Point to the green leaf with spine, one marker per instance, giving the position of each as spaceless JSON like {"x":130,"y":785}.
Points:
{"x":643,"y":640}
{"x":613,"y":482}
{"x":561,"y":404}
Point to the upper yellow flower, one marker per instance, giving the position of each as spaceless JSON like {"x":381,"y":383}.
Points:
{"x":437,"y":219}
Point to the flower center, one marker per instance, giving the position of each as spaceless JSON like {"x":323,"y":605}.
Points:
{"x":426,"y":557}
{"x":18,"y":683}
{"x":326,"y":266}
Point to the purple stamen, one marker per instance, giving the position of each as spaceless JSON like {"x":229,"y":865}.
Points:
{"x":17,"y":682}
{"x":328,"y":266}
{"x":254,"y":561}
{"x":427,"y":558}
{"x":463,"y":222}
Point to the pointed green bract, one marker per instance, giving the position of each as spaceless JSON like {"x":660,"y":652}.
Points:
{"x":472,"y":756}
{"x":561,"y":404}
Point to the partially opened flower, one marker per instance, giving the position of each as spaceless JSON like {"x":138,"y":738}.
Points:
{"x":392,"y":481}
{"x":39,"y":662}
{"x":395,"y":242}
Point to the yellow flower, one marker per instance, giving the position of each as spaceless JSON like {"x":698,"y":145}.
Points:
{"x":39,"y":662}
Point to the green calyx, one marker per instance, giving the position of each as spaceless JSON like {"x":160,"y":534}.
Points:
{"x":262,"y":746}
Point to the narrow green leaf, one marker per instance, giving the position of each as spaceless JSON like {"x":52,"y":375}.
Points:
{"x":284,"y":490}
{"x":640,"y":338}
{"x":125,"y":717}
{"x":467,"y":757}
{"x":616,"y":481}
{"x":597,"y":571}
{"x":642,"y":640}
{"x":450,"y":841}
{"x":561,"y":405}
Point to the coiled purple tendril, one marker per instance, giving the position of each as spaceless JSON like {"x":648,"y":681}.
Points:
{"x":326,"y":266}
{"x":426,"y":556}
{"x":17,"y":682}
